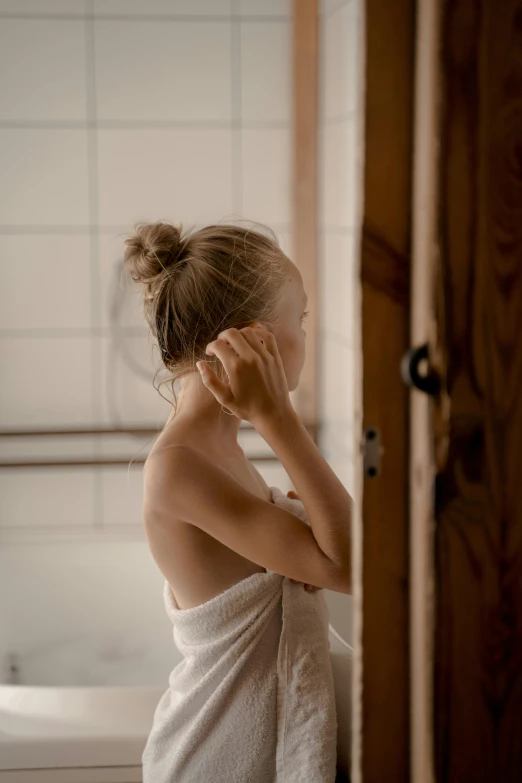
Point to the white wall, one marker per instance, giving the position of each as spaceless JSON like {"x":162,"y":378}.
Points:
{"x":339,"y":266}
{"x":111,"y":112}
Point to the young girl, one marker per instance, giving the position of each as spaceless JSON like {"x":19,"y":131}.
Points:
{"x":226,"y":307}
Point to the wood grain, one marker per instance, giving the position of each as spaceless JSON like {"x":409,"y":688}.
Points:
{"x":385,"y":253}
{"x":385,"y":269}
{"x":478,"y":648}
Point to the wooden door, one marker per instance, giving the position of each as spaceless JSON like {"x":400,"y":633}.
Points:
{"x":478,"y":640}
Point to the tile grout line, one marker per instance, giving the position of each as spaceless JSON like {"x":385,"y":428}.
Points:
{"x":188,"y":18}
{"x":107,"y":230}
{"x":87,"y":229}
{"x":142,"y":125}
{"x":74,"y":332}
{"x":94,"y":248}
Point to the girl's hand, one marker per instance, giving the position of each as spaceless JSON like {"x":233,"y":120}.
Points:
{"x":310,"y":588}
{"x":257,"y":388}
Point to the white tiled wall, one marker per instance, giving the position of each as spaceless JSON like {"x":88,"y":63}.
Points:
{"x":154,"y":78}
{"x":44,"y":177}
{"x":339,"y":196}
{"x":111,"y":111}
{"x":338,"y":214}
{"x":33,"y":81}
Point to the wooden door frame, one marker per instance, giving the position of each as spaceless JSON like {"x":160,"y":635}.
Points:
{"x":423,"y":331}
{"x":380,"y":746}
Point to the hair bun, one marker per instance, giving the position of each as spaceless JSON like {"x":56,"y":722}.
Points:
{"x":152,"y":248}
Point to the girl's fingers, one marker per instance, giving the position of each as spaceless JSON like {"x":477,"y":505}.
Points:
{"x":222,"y":349}
{"x":307,"y":587}
{"x":269,"y":340}
{"x":226,"y":355}
{"x":220,"y":390}
{"x":254,"y":339}
{"x":236,"y":340}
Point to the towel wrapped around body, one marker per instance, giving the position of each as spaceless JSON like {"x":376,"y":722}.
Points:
{"x":253,"y":699}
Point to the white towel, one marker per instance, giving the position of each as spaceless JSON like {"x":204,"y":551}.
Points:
{"x":253,"y":699}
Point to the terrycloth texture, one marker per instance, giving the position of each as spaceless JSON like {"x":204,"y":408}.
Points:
{"x":253,"y":700}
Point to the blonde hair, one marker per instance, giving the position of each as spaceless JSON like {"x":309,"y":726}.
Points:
{"x":198,"y":284}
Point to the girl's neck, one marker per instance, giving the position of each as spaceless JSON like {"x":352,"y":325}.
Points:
{"x":202,"y":418}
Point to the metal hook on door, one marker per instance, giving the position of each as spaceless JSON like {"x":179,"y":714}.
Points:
{"x":428,"y":383}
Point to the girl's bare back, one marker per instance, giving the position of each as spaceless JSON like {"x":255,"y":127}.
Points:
{"x":197,"y":566}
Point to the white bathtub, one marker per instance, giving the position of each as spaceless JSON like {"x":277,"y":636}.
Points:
{"x":97,"y":734}
{"x":74,"y":735}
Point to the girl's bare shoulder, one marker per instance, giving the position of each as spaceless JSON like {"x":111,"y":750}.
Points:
{"x":175,"y":437}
